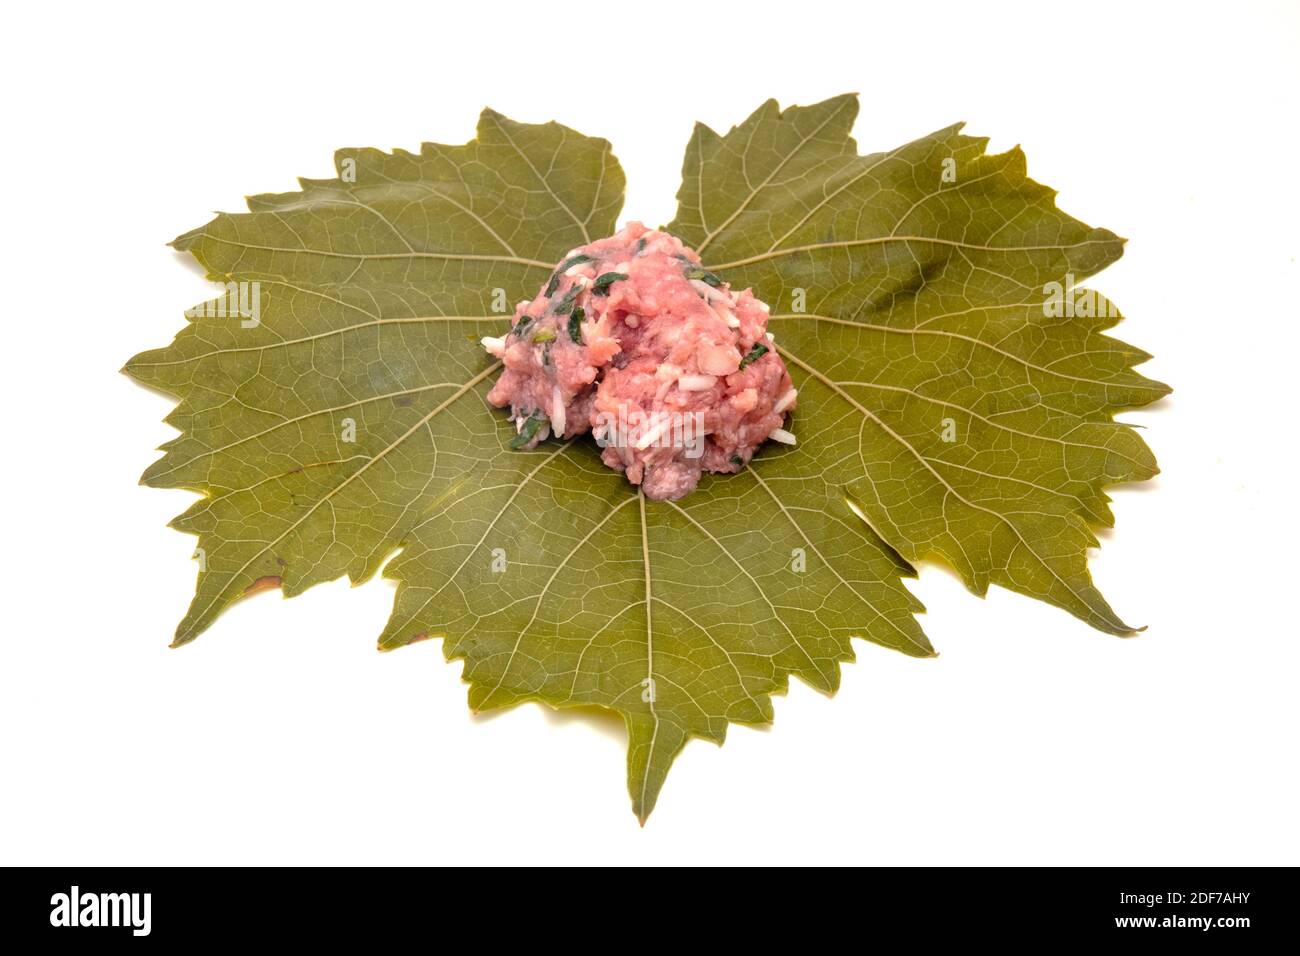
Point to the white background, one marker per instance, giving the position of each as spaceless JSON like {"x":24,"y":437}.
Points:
{"x":282,"y":736}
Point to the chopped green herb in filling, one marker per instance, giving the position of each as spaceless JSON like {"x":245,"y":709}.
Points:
{"x":565,"y":305}
{"x":704,"y":275}
{"x":567,"y":264}
{"x":525,"y":322}
{"x":575,"y":325}
{"x":544,"y":335}
{"x":604,"y":281}
{"x":529,"y":431}
{"x":756,"y":353}
{"x":737,"y":460}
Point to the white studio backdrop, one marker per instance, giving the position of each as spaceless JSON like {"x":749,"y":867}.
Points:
{"x":281,"y":736}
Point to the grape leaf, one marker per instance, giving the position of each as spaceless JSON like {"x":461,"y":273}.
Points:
{"x":980,"y":427}
{"x":373,"y":295}
{"x":341,"y":416}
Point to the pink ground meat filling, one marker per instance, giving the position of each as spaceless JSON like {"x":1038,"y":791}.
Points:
{"x":633,"y":340}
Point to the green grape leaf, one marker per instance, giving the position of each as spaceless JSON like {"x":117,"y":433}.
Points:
{"x":332,"y":412}
{"x":372,"y":291}
{"x":926,"y":299}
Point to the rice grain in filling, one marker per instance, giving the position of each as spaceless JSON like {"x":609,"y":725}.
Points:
{"x":633,"y":340}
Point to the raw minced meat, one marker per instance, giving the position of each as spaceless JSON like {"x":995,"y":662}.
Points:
{"x":633,"y":340}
